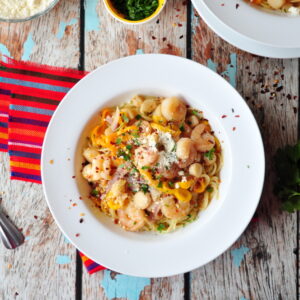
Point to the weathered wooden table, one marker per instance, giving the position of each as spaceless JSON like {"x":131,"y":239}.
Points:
{"x":262,"y":264}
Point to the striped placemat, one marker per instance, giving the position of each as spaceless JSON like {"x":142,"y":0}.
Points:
{"x":29,"y":95}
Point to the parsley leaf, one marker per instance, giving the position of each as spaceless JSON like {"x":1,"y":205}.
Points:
{"x":210,"y":153}
{"x":122,"y":153}
{"x":287,"y":188}
{"x":209,"y":189}
{"x":135,"y":133}
{"x":129,"y":147}
{"x":171,"y":184}
{"x":125,"y":118}
{"x":118,"y":141}
{"x":161,"y":227}
{"x":159,"y":184}
{"x":138,"y":117}
{"x":181,"y":128}
{"x":145,"y":168}
{"x":144,"y":188}
{"x":94,"y":193}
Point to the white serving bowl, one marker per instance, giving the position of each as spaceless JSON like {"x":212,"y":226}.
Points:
{"x":262,"y":26}
{"x":152,"y":254}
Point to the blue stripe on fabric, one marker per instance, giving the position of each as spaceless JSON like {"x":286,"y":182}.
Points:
{"x":3,"y":146}
{"x":27,"y":176}
{"x":31,"y":109}
{"x":4,"y":92}
{"x":24,"y":154}
{"x":28,"y":121}
{"x":3,"y":125}
{"x":42,"y":86}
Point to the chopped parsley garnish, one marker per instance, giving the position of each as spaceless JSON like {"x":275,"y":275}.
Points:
{"x":122,"y":153}
{"x":158,"y":176}
{"x":138,"y":117}
{"x":136,"y":142}
{"x":159,"y":184}
{"x":174,"y":148}
{"x":94,"y":193}
{"x":209,"y":189}
{"x":194,"y":112}
{"x":129,"y":147}
{"x":161,"y":227}
{"x":136,"y":9}
{"x":181,"y":128}
{"x":135,"y":133}
{"x":209,"y":154}
{"x":118,"y":141}
{"x":125,"y":118}
{"x":145,"y":168}
{"x":145,"y":188}
{"x":171,"y":184}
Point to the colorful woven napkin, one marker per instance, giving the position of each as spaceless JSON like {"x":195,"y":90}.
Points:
{"x":29,"y":95}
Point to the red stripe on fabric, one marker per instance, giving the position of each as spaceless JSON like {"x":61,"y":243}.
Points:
{"x":25,"y":171}
{"x":25,"y":179}
{"x":19,"y":125}
{"x":88,"y":262}
{"x":3,"y":130}
{"x":25,"y":159}
{"x":3,"y":141}
{"x":11,"y":63}
{"x":24,"y":90}
{"x":25,"y":138}
{"x":29,"y":115}
{"x":37,"y":79}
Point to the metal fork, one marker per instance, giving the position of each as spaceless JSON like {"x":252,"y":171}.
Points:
{"x":9,"y":234}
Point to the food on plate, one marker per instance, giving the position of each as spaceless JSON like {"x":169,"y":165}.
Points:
{"x":153,"y":163}
{"x":291,"y":7}
{"x":21,"y":9}
{"x":135,"y":10}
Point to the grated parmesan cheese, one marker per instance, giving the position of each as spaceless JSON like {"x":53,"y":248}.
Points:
{"x":294,"y":11}
{"x":20,"y":9}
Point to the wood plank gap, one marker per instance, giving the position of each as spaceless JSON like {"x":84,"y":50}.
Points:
{"x":81,"y":65}
{"x":189,"y":29}
{"x":78,"y":283}
{"x":298,"y":214}
{"x":187,"y":286}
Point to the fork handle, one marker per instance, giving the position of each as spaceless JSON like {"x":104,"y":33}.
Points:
{"x":9,"y":234}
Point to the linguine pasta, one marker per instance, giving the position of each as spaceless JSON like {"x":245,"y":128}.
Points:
{"x":153,"y":164}
{"x":291,"y":7}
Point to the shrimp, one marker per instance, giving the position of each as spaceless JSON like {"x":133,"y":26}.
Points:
{"x":186,"y":152}
{"x":99,"y":169}
{"x":145,"y":156}
{"x":144,"y":127}
{"x":204,"y":141}
{"x":174,"y":210}
{"x":169,"y":173}
{"x":131,"y":218}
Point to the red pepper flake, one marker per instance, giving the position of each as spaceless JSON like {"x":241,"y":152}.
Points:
{"x":157,"y":22}
{"x":73,"y":176}
{"x":51,"y":162}
{"x":223,"y":4}
{"x":184,"y":2}
{"x":289,"y":96}
{"x":181,"y":37}
{"x":237,"y":6}
{"x":295,"y":110}
{"x":234,"y":128}
{"x":224,"y":116}
{"x":36,"y":217}
{"x":80,"y":220}
{"x":74,"y":204}
{"x":77,"y":234}
{"x":179,"y":25}
{"x":237,"y":116}
{"x":80,"y":198}
{"x":164,"y":39}
{"x":153,"y":37}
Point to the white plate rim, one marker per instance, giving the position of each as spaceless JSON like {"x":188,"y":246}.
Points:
{"x":45,"y":166}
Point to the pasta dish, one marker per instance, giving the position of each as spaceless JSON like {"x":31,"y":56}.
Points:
{"x":291,"y":7}
{"x":153,"y":163}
